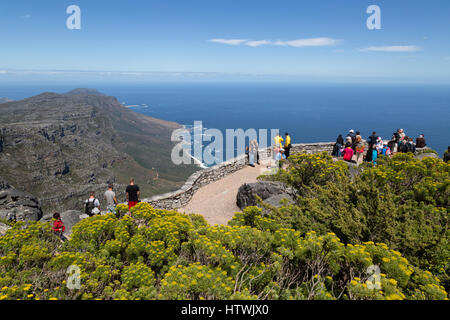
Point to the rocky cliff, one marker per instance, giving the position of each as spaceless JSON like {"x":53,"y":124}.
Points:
{"x":58,"y":147}
{"x":18,"y":205}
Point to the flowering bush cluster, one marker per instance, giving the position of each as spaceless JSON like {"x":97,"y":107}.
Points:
{"x":166,"y":257}
{"x":402,"y":201}
{"x":332,"y":244}
{"x":196,"y":281}
{"x":306,"y":170}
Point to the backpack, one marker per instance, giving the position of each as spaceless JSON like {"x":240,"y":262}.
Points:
{"x":89,"y":206}
{"x":360,"y":149}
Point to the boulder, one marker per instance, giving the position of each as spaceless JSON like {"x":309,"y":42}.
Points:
{"x":18,"y":205}
{"x":3,"y":229}
{"x":269,"y":192}
{"x":426,"y":155}
{"x":274,"y":200}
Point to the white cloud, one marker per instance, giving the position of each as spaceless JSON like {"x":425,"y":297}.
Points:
{"x":313,"y":42}
{"x":393,"y":49}
{"x":27,"y":16}
{"x":233,"y":42}
{"x":258,"y":43}
{"x":297,"y":43}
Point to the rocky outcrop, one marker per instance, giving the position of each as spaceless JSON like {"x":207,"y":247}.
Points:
{"x":270,"y":192}
{"x":423,"y":155}
{"x":18,"y":205}
{"x":59,"y":147}
{"x":3,"y":229}
{"x":275,"y":200}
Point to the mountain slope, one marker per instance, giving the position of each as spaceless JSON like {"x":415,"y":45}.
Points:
{"x":58,"y":147}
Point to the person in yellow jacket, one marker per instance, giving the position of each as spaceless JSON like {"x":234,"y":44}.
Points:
{"x":278,"y":144}
{"x":287,"y":145}
{"x":278,"y":141}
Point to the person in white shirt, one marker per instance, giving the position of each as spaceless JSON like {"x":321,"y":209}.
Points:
{"x":92,"y":205}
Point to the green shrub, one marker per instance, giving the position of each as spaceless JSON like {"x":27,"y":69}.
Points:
{"x":392,"y":217}
{"x":403,"y":202}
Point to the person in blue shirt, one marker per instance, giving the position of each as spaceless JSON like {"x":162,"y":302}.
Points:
{"x":374,"y":156}
{"x":280,"y":156}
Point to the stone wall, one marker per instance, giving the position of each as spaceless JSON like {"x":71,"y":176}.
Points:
{"x":181,"y":197}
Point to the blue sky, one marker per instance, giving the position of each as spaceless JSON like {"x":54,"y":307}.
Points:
{"x":295,"y":40}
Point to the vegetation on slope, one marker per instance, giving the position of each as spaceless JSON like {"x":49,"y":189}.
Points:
{"x":403,"y":202}
{"x":326,"y":246}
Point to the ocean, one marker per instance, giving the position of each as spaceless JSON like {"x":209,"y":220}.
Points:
{"x":309,"y":112}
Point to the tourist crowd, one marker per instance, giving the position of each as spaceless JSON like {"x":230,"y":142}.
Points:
{"x":353,"y":147}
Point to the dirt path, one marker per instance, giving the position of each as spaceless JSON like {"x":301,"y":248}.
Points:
{"x":217,"y":201}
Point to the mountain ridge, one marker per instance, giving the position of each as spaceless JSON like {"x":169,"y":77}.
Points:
{"x":59,"y":147}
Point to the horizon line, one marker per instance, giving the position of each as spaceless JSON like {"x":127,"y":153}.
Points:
{"x":206,"y":76}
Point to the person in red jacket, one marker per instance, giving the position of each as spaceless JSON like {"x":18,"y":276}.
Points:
{"x":58,"y":225}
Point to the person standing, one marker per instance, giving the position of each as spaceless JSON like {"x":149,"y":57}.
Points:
{"x":247,"y":156}
{"x":348,"y":142}
{"x":379,"y":145}
{"x":278,"y":141}
{"x":351,"y":134}
{"x":374,"y":156}
{"x":393,"y":144}
{"x":420,"y":142}
{"x":359,"y":149}
{"x":402,"y":134}
{"x":92,"y":205}
{"x":280,"y":156}
{"x":386,"y":151}
{"x":253,"y":152}
{"x":278,"y":145}
{"x":403,"y":148}
{"x":250,"y":157}
{"x":287,"y":145}
{"x":133,"y":194}
{"x":58,"y":226}
{"x":337,"y":146}
{"x":447,"y":155}
{"x":372,"y":139}
{"x":111,"y":201}
{"x":358,"y":134}
{"x":410,"y":145}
